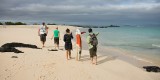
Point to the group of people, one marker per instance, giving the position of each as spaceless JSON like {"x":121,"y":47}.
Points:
{"x":91,"y":40}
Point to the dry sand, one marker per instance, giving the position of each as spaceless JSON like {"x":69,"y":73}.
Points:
{"x":41,"y":64}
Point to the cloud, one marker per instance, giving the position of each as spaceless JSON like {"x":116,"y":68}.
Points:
{"x":47,"y":8}
{"x":81,"y":11}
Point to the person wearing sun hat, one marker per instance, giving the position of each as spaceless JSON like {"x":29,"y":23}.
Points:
{"x":78,"y":44}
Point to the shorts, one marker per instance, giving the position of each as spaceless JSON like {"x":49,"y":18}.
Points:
{"x":93,"y":51}
{"x":56,"y":40}
{"x":43,"y":37}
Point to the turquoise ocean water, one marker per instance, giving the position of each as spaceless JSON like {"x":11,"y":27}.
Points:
{"x":140,"y":41}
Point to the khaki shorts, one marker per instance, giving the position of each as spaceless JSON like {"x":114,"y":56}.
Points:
{"x":93,"y":51}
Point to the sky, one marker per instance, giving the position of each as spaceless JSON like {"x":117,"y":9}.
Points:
{"x":88,"y":12}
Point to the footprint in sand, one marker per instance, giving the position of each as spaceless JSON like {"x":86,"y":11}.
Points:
{"x":42,"y":77}
{"x":7,"y":77}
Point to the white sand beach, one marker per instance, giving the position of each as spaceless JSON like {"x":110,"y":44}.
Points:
{"x":41,"y":64}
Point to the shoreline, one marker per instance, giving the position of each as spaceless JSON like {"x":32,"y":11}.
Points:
{"x":42,"y":64}
{"x":132,"y":56}
{"x":121,"y":54}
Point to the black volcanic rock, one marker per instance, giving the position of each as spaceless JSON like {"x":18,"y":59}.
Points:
{"x":152,"y":68}
{"x":10,"y":47}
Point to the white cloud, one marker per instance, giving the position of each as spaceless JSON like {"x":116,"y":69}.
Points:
{"x":85,"y":9}
{"x":48,"y":8}
{"x":81,"y":10}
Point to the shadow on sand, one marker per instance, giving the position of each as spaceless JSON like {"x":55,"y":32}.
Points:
{"x":85,"y":58}
{"x":106,"y":59}
{"x":101,"y":59}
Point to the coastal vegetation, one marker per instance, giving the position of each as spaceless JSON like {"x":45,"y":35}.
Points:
{"x":12,"y":23}
{"x":51,"y":24}
{"x":91,"y":26}
{"x":1,"y":23}
{"x":36,"y":24}
{"x":83,"y":26}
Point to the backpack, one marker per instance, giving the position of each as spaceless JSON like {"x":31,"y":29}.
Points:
{"x":93,"y":39}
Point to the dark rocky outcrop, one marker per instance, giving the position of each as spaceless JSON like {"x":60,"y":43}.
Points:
{"x":152,"y":68}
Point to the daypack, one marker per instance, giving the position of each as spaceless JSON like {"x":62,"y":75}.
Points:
{"x":93,"y":39}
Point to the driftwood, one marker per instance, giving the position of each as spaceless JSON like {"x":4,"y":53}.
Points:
{"x":10,"y":47}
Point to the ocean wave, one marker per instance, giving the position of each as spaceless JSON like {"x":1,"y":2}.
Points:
{"x":141,"y":59}
{"x":131,"y":46}
{"x":155,"y":45}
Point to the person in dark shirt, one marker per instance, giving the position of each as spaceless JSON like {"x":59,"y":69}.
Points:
{"x":68,"y":43}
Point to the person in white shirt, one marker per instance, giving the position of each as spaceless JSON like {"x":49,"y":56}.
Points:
{"x":42,"y":32}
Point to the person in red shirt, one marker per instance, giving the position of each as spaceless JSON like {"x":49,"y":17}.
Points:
{"x":78,"y":44}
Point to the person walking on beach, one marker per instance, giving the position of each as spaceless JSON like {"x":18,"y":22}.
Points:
{"x":56,"y":35}
{"x":68,"y":43}
{"x":42,"y":32}
{"x":78,"y":44}
{"x":92,"y":43}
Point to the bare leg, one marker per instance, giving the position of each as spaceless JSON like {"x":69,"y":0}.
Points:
{"x":95,"y":60}
{"x":77,"y":54}
{"x":79,"y":57}
{"x":55,"y":46}
{"x":70,"y":54}
{"x":42,"y":43}
{"x":92,"y":60}
{"x":58,"y":46}
{"x":67,"y":54}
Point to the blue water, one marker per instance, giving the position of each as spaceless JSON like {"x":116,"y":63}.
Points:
{"x":142,"y":41}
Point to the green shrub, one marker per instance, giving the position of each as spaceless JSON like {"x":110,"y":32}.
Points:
{"x":1,"y":23}
{"x":16,"y":23}
{"x":51,"y":24}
